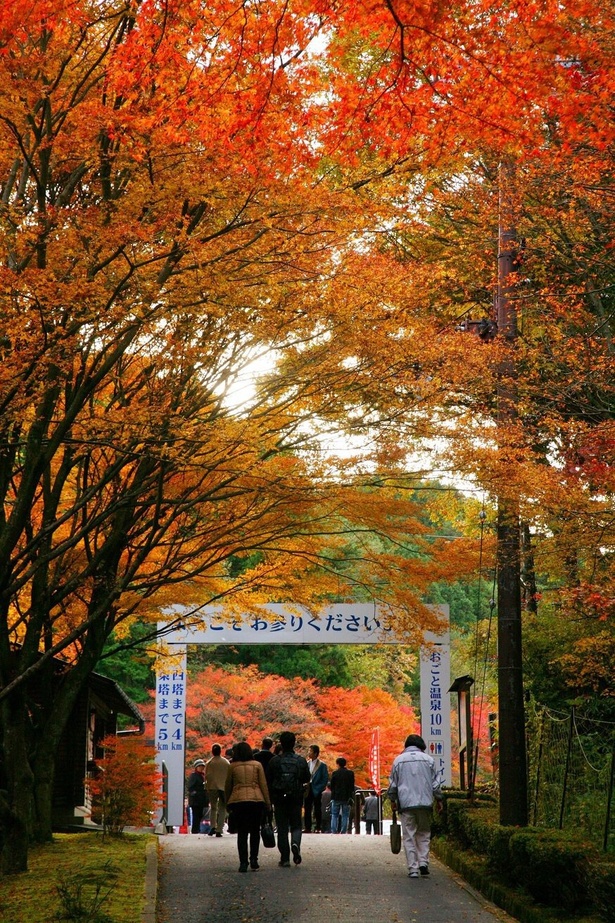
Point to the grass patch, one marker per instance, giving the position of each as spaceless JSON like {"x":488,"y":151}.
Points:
{"x":71,"y":862}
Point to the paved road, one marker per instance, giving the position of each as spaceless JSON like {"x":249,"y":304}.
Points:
{"x":342,"y":879}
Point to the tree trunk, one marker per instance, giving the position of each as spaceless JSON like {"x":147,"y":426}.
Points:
{"x":512,"y":746}
{"x":33,"y":721}
{"x":14,"y":841}
{"x":17,"y":810}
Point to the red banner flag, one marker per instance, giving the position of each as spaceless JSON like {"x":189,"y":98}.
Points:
{"x":374,"y":760}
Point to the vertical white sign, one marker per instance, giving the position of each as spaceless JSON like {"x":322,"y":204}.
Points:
{"x":170,"y":740}
{"x":436,"y":700}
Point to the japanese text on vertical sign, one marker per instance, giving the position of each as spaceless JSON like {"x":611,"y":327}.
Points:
{"x":170,"y":708}
{"x":435,"y":695}
{"x":436,"y":715}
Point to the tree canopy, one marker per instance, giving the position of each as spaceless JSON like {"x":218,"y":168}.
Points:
{"x":189,"y":192}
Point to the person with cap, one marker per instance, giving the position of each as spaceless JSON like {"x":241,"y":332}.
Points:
{"x":197,"y":795}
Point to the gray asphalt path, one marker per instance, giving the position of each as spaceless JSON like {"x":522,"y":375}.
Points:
{"x":346,"y":878}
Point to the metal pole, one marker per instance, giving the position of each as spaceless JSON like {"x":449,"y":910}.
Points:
{"x":539,"y":766}
{"x":469,"y":747}
{"x":566,"y":770}
{"x":607,"y":821}
{"x":512,"y":754}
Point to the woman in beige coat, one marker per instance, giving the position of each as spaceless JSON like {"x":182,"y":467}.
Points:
{"x":247,"y":797}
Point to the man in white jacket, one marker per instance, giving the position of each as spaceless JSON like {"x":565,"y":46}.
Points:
{"x":413,"y":785}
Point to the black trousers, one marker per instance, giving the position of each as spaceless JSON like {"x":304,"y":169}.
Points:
{"x":248,"y":816}
{"x":288,"y":821}
{"x":197,"y":812}
{"x":312,"y":802}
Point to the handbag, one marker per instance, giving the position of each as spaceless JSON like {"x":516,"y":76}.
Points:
{"x":231,"y":820}
{"x":395,"y":834}
{"x":267,"y":835}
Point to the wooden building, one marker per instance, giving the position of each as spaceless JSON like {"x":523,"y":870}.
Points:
{"x":94,"y":717}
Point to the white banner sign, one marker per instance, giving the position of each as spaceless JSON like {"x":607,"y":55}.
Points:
{"x":171,"y":685}
{"x":344,"y":623}
{"x":436,"y":702}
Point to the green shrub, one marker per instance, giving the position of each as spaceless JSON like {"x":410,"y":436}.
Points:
{"x":498,"y":854}
{"x":601,"y":887}
{"x":455,"y":821}
{"x":479,"y":826}
{"x":468,"y":822}
{"x":555,"y":868}
{"x":552,"y":865}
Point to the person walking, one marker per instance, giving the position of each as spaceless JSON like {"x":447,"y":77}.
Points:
{"x":265,"y":754}
{"x":247,"y":797}
{"x":318,"y":782}
{"x":197,"y":795}
{"x":216,"y":774}
{"x":288,"y":774}
{"x":413,"y":786}
{"x":342,"y":792}
{"x":325,"y":809}
{"x":371,"y":813}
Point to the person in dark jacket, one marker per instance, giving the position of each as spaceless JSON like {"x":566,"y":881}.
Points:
{"x":197,"y":795}
{"x":288,"y":776}
{"x":313,"y":795}
{"x":265,"y":754}
{"x":342,"y":792}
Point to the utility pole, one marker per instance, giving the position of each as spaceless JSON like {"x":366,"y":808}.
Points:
{"x":512,"y":744}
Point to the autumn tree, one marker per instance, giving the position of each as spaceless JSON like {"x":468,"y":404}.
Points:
{"x":471,"y":93}
{"x":125,"y":786}
{"x":164,"y":227}
{"x":187,"y":190}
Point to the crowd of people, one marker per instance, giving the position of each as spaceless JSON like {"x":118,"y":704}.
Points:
{"x":274,"y":785}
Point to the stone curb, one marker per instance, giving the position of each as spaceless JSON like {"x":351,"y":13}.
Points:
{"x":150,"y":890}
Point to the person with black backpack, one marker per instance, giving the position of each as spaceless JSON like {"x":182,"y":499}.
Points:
{"x":288,"y":776}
